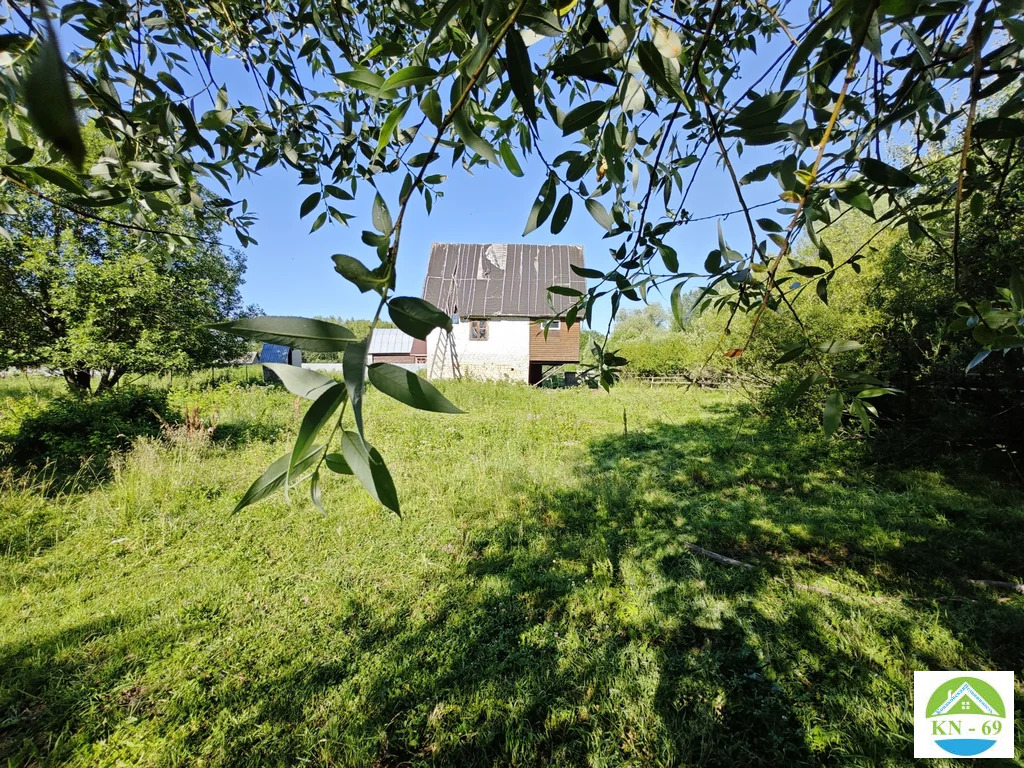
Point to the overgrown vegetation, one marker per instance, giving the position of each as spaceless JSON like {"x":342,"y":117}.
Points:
{"x":83,"y":295}
{"x":536,"y":603}
{"x":346,"y":94}
{"x":71,"y":439}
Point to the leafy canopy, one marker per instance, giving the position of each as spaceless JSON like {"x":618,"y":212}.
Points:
{"x":346,"y":92}
{"x":81,"y":296}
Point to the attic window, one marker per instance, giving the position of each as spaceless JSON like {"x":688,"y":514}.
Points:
{"x":478,"y":330}
{"x":552,"y":325}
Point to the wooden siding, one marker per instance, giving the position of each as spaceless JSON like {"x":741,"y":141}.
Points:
{"x":561,"y":346}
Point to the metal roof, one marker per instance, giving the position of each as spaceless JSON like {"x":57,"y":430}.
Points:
{"x":499,"y":280}
{"x":390,"y":341}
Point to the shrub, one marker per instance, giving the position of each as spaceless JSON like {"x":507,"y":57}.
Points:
{"x":75,"y":434}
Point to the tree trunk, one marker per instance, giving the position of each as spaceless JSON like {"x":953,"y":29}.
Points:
{"x":109,"y":378}
{"x":78,"y":379}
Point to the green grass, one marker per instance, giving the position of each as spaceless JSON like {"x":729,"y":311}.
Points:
{"x":535,"y":605}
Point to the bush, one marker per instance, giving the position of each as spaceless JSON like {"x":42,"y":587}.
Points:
{"x":75,"y":434}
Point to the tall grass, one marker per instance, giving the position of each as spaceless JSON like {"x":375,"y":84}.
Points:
{"x":535,"y":605}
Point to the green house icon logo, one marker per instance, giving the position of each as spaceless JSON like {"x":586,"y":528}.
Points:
{"x":965,"y":713}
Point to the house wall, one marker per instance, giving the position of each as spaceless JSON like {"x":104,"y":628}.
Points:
{"x":503,"y":356}
{"x":561,"y":346}
{"x":395,"y":359}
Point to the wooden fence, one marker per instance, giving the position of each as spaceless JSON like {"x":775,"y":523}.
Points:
{"x":717,"y":380}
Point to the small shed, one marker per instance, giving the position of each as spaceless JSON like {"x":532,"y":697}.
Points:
{"x":390,"y":345}
{"x":278,"y":353}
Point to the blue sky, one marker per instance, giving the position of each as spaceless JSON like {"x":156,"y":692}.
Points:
{"x":290,"y":272}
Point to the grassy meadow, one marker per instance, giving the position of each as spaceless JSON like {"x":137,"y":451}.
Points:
{"x":536,"y":604}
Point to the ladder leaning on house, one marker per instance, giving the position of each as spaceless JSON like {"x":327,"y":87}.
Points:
{"x":446,"y":342}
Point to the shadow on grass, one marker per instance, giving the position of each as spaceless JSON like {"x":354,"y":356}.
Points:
{"x":68,"y":444}
{"x":580,"y":630}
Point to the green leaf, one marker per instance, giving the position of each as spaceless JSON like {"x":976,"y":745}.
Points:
{"x":60,"y":178}
{"x":594,"y":274}
{"x":381,"y":216}
{"x":445,"y":15}
{"x":599,"y":212}
{"x":406,"y":387}
{"x":562,"y":213}
{"x":430,"y":105}
{"x":654,"y":66}
{"x":319,"y":413}
{"x":591,"y":62}
{"x":765,"y":110}
{"x":542,"y":206}
{"x":48,"y":100}
{"x":275,"y":476}
{"x":520,"y":73}
{"x":216,"y":119}
{"x":998,"y":128}
{"x":857,"y":409}
{"x":541,"y":20}
{"x":407,"y":77}
{"x":583,"y":116}
{"x":357,"y":273}
{"x":298,"y":332}
{"x":509,"y":158}
{"x":797,"y":350}
{"x":353,"y":366}
{"x":769,"y":225}
{"x":309,"y":204}
{"x":336,"y":463}
{"x":882,"y":173}
{"x":387,"y":130}
{"x":471,"y":139}
{"x":678,"y":310}
{"x":301,"y":381}
{"x":670,"y":257}
{"x":1017,"y":289}
{"x":821,"y":288}
{"x":833,"y":415}
{"x":362,"y":79}
{"x":811,"y":41}
{"x":370,"y":469}
{"x":876,"y":392}
{"x":977,"y":204}
{"x":836,"y":346}
{"x":417,"y":317}
{"x":315,"y":493}
{"x":854,"y":195}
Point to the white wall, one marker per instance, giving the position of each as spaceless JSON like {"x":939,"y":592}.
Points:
{"x":503,"y":356}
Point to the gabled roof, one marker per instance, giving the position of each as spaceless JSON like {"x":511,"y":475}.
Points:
{"x":390,"y":341}
{"x":498,"y":280}
{"x":965,"y":690}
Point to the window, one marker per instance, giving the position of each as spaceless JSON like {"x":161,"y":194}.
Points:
{"x":478,"y":330}
{"x":550,"y":325}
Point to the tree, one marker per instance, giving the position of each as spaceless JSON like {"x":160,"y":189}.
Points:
{"x":637,"y":323}
{"x":359,"y":328}
{"x":85,"y":297}
{"x":648,"y":94}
